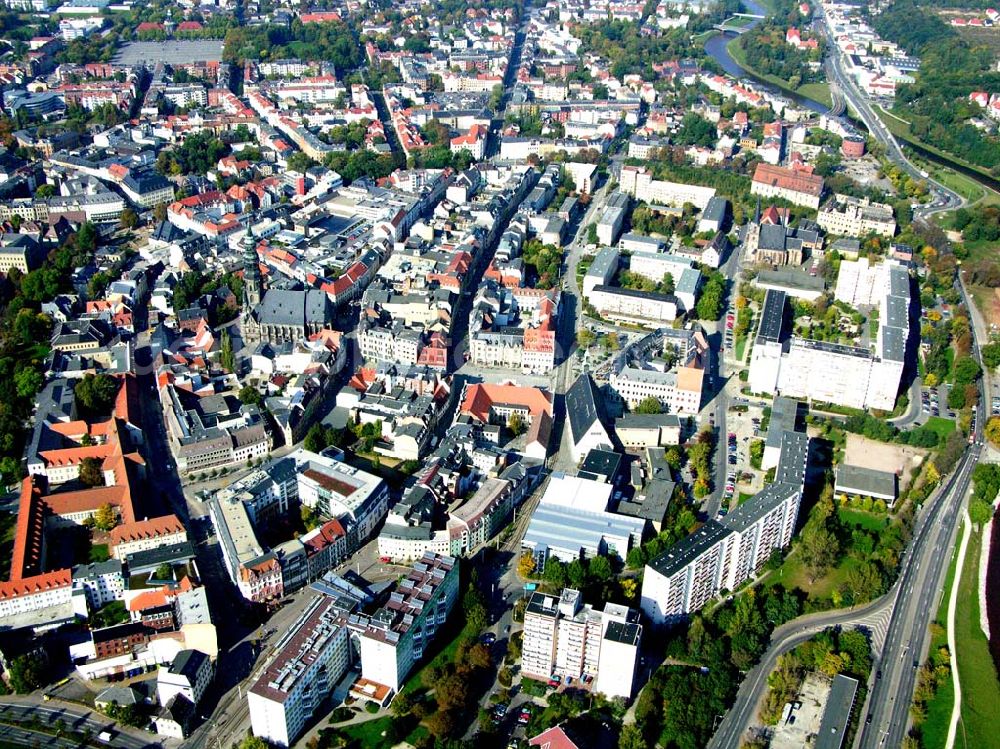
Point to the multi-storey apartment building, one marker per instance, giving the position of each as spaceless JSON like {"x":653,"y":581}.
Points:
{"x":398,"y":635}
{"x":311,"y":658}
{"x":722,"y":555}
{"x":563,"y":638}
{"x":638,"y":182}
{"x":853,"y":376}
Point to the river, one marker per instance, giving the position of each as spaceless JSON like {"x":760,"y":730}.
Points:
{"x":716,"y":49}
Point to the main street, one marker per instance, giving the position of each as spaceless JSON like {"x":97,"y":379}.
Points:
{"x":71,"y":718}
{"x":947,"y":200}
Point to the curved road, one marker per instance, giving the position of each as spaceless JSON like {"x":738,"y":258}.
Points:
{"x":947,"y":199}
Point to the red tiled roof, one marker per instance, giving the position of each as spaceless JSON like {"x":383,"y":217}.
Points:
{"x":154,"y":528}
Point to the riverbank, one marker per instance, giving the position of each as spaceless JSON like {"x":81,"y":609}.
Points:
{"x":818,"y":92}
{"x":901,"y":130}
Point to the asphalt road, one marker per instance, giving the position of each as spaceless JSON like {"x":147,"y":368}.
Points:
{"x":946,"y":199}
{"x":74,"y":718}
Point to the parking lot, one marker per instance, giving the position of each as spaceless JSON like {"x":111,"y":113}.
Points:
{"x":744,"y":427}
{"x":934,"y":402}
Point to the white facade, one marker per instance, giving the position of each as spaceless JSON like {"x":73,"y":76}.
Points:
{"x":639,"y":183}
{"x":312,"y":657}
{"x":651,"y":310}
{"x":562,"y":639}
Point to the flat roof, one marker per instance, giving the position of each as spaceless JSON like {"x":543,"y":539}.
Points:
{"x":171,"y":52}
{"x":865,"y":481}
{"x":836,"y":716}
{"x":685,"y":551}
{"x":772,"y":316}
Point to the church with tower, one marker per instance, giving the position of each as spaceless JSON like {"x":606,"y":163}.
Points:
{"x":278,"y":315}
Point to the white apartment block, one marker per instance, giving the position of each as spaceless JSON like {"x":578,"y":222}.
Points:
{"x":825,"y":372}
{"x":722,"y":555}
{"x":679,"y":389}
{"x":565,"y":639}
{"x":639,"y":183}
{"x":856,"y":217}
{"x":655,"y":265}
{"x":398,"y":635}
{"x":627,"y":305}
{"x":312,"y":656}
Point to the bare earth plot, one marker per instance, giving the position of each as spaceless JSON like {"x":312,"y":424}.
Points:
{"x":879,"y":456}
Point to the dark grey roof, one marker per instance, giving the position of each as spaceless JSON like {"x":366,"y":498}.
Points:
{"x":836,"y":716}
{"x":188,"y":663}
{"x":624,"y":632}
{"x":772,"y":237}
{"x":638,"y":421}
{"x":146,"y":182}
{"x":792,"y":278}
{"x":792,"y":461}
{"x":685,"y":551}
{"x":783,"y":415}
{"x":602,"y":463}
{"x":866,"y":481}
{"x":581,"y":406}
{"x":152,"y":558}
{"x":772,"y":316}
{"x":715,"y":209}
{"x":543,"y":604}
{"x":299,"y":308}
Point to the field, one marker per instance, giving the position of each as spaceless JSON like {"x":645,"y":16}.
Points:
{"x":980,"y":688}
{"x":984,"y":37}
{"x":880,"y":456}
{"x":792,"y":575}
{"x":818,"y":91}
{"x":371,"y":733}
{"x":867,"y":520}
{"x":935,"y":727}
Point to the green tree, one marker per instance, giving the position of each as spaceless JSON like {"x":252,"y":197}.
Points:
{"x":96,"y":393}
{"x":600,"y":569}
{"x":649,"y":405}
{"x":226,"y":356}
{"x":818,"y":550}
{"x":27,"y":673}
{"x":980,"y":512}
{"x":105,"y":517}
{"x":129,"y":219}
{"x":515,"y":424}
{"x":250,"y":395}
{"x":91,"y":472}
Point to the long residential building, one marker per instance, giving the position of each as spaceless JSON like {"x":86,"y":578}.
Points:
{"x":721,"y":555}
{"x":825,"y":372}
{"x":639,"y":183}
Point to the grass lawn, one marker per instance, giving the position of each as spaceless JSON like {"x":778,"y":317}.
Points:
{"x":792,"y":575}
{"x":818,"y":91}
{"x":743,"y":498}
{"x":866,"y":520}
{"x":935,"y":727}
{"x":941,"y":426}
{"x":980,"y":688}
{"x":741,"y":347}
{"x":99,"y":553}
{"x":369,"y":733}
